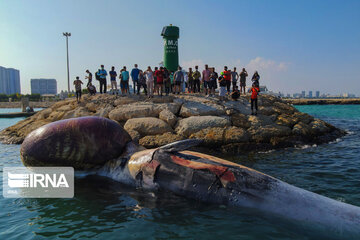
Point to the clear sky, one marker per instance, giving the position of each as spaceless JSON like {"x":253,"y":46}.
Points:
{"x":295,"y":45}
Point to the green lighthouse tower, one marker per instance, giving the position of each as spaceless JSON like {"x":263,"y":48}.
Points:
{"x":171,"y":54}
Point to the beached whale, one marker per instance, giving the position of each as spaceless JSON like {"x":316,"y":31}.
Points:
{"x":186,"y":173}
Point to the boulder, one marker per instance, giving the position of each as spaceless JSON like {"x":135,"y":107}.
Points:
{"x":159,"y":140}
{"x":125,"y":112}
{"x":319,"y":127}
{"x":191,"y":108}
{"x":91,"y":106}
{"x":147,"y":126}
{"x":286,"y":120}
{"x":280,"y":108}
{"x":168,"y":117}
{"x":265,"y":133}
{"x":241,"y":106}
{"x":104,"y":112}
{"x":135,"y":135}
{"x":260,"y":120}
{"x":240,"y":120}
{"x":303,"y":117}
{"x":301,"y":129}
{"x":213,"y":136}
{"x":236,"y":135}
{"x":44,"y":113}
{"x":188,"y":126}
{"x":123,"y":101}
{"x":266,"y":110}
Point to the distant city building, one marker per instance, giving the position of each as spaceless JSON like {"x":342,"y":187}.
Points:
{"x":297,"y":95}
{"x":43,"y":86}
{"x":310,"y":94}
{"x":303,"y":94}
{"x":9,"y":81}
{"x":317,"y":94}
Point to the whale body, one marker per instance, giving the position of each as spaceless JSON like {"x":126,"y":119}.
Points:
{"x":190,"y":174}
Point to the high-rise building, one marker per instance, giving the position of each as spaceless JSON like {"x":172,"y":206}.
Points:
{"x":310,"y":94}
{"x":43,"y":86}
{"x":9,"y":80}
{"x":302,"y":94}
{"x":317,"y":94}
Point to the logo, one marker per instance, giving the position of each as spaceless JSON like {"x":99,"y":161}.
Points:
{"x":38,"y":182}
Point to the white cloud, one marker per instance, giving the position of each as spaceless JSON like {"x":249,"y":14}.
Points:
{"x":262,"y":64}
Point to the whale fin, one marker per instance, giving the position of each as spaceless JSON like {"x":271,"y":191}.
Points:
{"x":181,"y":145}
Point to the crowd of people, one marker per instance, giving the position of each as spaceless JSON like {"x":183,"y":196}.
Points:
{"x":161,"y":81}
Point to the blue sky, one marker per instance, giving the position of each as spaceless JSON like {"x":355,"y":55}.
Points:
{"x":295,"y":45}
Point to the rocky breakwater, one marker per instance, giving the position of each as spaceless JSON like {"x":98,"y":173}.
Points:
{"x":225,"y":126}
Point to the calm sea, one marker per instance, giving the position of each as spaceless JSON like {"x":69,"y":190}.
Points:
{"x":105,"y":209}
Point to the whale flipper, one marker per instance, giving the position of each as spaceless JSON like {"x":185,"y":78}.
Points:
{"x":180,"y":145}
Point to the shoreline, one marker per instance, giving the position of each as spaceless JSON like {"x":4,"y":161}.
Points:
{"x":322,"y":101}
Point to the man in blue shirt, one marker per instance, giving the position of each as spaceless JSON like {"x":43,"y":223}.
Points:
{"x":102,"y":72}
{"x":135,"y":77}
{"x":124,"y":82}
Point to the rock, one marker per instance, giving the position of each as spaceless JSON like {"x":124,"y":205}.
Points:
{"x":266,"y":110}
{"x":260,"y":120}
{"x":125,"y":112}
{"x":168,"y":117}
{"x":44,"y":113}
{"x":301,"y":129}
{"x":124,"y":101}
{"x":187,"y":126}
{"x":319,"y":127}
{"x":104,"y":112}
{"x":236,"y":135}
{"x":55,"y":116}
{"x":65,"y":108}
{"x":147,"y":126}
{"x":286,"y":120}
{"x":135,"y":135}
{"x":281,"y":108}
{"x":265,"y":133}
{"x":303,"y":117}
{"x":78,"y":112}
{"x":91,"y":107}
{"x":172,"y":107}
{"x":240,"y":120}
{"x":213,"y":136}
{"x":189,"y":109}
{"x":159,"y":140}
{"x":241,"y":106}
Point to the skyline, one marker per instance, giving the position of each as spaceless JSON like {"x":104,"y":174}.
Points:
{"x":295,"y":46}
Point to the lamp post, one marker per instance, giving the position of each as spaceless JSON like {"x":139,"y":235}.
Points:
{"x":67,"y":34}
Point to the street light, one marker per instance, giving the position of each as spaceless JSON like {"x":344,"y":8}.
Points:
{"x":67,"y":34}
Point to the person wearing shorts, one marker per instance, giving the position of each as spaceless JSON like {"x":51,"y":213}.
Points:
{"x":206,"y":78}
{"x":77,"y":84}
{"x":243,"y":76}
{"x":124,"y":81}
{"x":159,"y":80}
{"x":178,"y":79}
{"x":212,"y":82}
{"x":113,"y":75}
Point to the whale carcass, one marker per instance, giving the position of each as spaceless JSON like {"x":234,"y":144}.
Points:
{"x":191,"y":174}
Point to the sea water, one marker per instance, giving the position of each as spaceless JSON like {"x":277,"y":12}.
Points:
{"x":105,"y":209}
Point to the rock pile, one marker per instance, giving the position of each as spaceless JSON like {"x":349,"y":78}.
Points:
{"x":227,"y":126}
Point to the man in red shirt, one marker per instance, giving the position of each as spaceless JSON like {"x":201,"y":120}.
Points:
{"x":254,"y":94}
{"x":159,"y":80}
{"x":227,"y":77}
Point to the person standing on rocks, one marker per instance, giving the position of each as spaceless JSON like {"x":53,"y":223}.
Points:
{"x":178,"y":79}
{"x":222,"y":92}
{"x":149,"y":75}
{"x":196,"y":76}
{"x":124,"y":81}
{"x":113,"y":76}
{"x":254,"y":96}
{"x":142,"y":82}
{"x":102,"y":75}
{"x":227,"y":77}
{"x":255,"y":79}
{"x":135,"y":77}
{"x":167,"y":81}
{"x":243,"y":76}
{"x":234,"y":78}
{"x":89,"y":78}
{"x":190,"y":81}
{"x":159,"y":81}
{"x":212,"y":82}
{"x":77,"y":84}
{"x":206,"y":79}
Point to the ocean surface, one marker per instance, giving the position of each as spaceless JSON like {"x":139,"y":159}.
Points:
{"x":105,"y":209}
